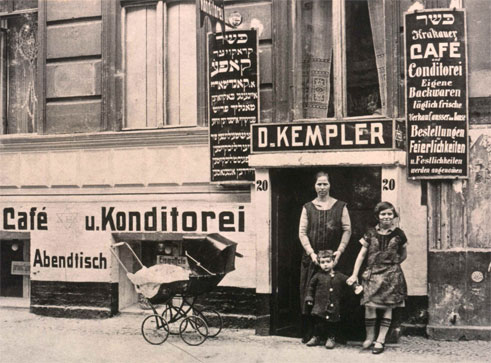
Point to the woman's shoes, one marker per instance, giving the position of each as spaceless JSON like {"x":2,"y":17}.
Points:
{"x":378,"y":348}
{"x":367,"y":344}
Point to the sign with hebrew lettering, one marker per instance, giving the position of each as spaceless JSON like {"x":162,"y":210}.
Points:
{"x":233,"y":103}
{"x":436,"y":94}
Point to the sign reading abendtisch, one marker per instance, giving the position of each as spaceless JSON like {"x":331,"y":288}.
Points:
{"x":436,"y":94}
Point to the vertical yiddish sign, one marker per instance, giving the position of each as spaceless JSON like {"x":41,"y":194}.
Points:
{"x":436,"y":94}
{"x":214,"y":9}
{"x":233,"y":103}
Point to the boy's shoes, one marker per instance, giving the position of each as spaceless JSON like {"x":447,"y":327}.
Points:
{"x":313,"y":342}
{"x":305,"y":339}
{"x":330,"y":343}
{"x":378,"y":348}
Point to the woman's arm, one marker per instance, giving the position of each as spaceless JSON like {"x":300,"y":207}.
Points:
{"x":346,"y":225}
{"x":304,"y":238}
{"x":358,"y":262}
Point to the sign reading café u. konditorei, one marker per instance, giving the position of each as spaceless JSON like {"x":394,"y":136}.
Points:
{"x":436,"y":94}
{"x":234,"y":103}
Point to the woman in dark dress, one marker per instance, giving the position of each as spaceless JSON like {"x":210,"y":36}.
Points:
{"x":324,"y":225}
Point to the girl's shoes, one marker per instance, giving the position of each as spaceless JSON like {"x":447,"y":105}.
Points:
{"x":330,"y":343}
{"x":378,"y":348}
{"x":367,"y":344}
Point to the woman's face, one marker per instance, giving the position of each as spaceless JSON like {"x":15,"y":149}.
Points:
{"x":322,"y":186}
{"x":386,"y":217}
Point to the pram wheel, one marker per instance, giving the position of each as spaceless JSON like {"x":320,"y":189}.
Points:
{"x":155,"y":329}
{"x":193,"y":330}
{"x":172,"y":314}
{"x":213,"y":321}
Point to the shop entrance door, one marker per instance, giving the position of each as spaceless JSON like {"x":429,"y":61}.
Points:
{"x":360,"y":188}
{"x":10,"y":285}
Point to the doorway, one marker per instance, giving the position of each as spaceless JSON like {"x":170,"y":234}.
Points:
{"x":12,"y":279}
{"x":360,"y":188}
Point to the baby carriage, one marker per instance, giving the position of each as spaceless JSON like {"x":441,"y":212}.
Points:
{"x":210,"y":258}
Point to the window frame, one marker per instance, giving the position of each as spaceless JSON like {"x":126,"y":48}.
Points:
{"x":162,"y":117}
{"x":393,"y":68}
{"x":4,"y":82}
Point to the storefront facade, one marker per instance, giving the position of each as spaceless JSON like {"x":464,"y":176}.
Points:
{"x":120,"y":152}
{"x":80,"y":277}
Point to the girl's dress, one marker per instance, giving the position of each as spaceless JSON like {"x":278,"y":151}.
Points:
{"x":383,"y":281}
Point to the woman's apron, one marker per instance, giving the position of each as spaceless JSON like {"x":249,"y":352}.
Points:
{"x":324,"y":230}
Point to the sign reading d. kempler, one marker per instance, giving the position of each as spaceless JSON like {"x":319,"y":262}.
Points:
{"x":323,"y":136}
{"x":436,"y":94}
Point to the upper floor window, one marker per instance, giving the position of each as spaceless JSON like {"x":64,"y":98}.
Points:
{"x":341,"y":51}
{"x":18,"y":55}
{"x":159,"y":62}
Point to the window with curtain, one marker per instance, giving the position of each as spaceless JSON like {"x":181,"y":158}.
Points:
{"x":18,"y":55}
{"x":341,"y":46}
{"x":159,"y":60}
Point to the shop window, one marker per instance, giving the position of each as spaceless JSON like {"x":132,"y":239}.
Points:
{"x":18,"y":55}
{"x":171,"y":253}
{"x":159,"y":60}
{"x":341,"y":49}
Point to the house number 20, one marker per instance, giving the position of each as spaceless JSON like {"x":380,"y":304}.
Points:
{"x":388,"y":184}
{"x":261,"y":185}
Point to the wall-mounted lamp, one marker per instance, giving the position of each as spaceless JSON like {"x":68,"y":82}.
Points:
{"x":14,"y":247}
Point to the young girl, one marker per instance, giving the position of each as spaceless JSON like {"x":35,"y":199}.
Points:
{"x":383,"y":281}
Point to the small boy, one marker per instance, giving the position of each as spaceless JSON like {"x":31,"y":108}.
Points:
{"x":324,"y":294}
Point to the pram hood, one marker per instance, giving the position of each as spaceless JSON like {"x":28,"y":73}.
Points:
{"x":213,"y":251}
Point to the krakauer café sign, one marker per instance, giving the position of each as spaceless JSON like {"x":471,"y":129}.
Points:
{"x":322,"y":135}
{"x":436,"y":94}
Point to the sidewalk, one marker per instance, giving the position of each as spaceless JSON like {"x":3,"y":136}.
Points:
{"x":26,"y":337}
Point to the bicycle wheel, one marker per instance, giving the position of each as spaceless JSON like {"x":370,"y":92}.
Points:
{"x":172,"y":314}
{"x":155,"y":329}
{"x":213,"y":321}
{"x":193,"y":330}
